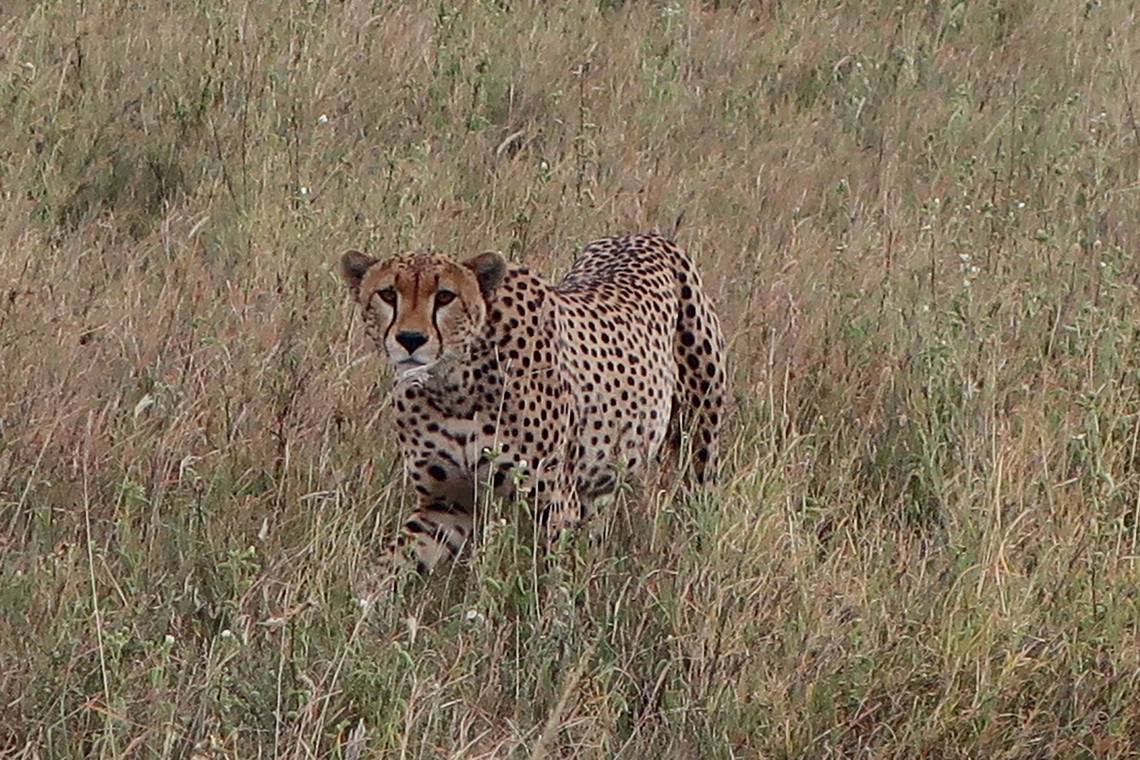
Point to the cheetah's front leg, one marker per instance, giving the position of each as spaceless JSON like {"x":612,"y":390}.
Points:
{"x":437,"y":530}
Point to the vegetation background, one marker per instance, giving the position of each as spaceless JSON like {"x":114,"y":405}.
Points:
{"x":919,"y":220}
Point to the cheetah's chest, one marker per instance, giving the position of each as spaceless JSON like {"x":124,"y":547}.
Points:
{"x":458,"y":439}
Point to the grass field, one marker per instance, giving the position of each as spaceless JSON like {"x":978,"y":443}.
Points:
{"x":919,"y":221}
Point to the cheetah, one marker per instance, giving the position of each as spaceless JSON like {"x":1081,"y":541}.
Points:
{"x":576,"y":385}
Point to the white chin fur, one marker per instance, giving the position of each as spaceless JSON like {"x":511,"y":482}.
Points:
{"x":411,"y":370}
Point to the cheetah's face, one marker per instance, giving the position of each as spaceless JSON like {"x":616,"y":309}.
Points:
{"x":422,"y":307}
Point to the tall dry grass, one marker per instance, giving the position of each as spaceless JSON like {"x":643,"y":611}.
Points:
{"x":919,"y":221}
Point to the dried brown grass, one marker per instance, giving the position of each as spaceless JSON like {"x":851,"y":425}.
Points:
{"x":918,"y":221}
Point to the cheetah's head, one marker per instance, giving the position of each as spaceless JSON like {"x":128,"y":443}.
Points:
{"x":422,"y":307}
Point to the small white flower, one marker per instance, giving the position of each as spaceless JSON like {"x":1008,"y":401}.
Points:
{"x":1021,"y":204}
{"x":974,"y":270}
{"x":965,"y":257}
{"x":169,"y":640}
{"x":226,"y":633}
{"x":145,"y":404}
{"x":476,"y":616}
{"x":304,"y":190}
{"x":323,"y":119}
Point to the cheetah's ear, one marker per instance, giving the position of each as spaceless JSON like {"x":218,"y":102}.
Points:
{"x":353,"y":265}
{"x":490,"y":268}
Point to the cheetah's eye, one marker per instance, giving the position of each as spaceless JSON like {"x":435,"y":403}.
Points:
{"x":444,"y":297}
{"x":387,"y":295}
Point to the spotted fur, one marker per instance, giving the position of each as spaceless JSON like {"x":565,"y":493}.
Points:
{"x":568,"y":389}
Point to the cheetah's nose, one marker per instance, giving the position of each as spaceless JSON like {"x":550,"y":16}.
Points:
{"x":411,"y":340}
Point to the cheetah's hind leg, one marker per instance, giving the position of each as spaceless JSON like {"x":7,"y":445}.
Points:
{"x":698,"y":400}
